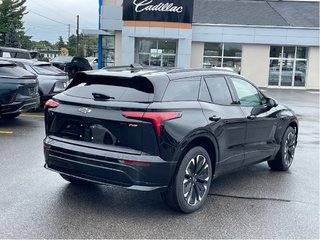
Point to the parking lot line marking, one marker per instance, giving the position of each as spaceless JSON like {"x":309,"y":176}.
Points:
{"x":31,"y":115}
{"x":6,"y":132}
{"x":314,"y":92}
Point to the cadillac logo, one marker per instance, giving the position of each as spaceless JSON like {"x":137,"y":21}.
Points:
{"x":84,"y":110}
{"x":146,"y":5}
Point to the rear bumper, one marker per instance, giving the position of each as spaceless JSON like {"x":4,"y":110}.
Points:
{"x":100,"y":165}
{"x":19,"y":107}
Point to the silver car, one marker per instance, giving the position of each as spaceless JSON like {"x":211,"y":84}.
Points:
{"x":52,"y":80}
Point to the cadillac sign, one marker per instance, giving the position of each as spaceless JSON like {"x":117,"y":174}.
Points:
{"x":158,"y":10}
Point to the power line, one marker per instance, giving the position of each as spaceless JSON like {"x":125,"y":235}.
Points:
{"x":38,"y":14}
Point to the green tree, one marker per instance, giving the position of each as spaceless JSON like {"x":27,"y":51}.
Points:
{"x":11,"y":13}
{"x":60,"y":44}
{"x":26,"y":42}
{"x":72,"y":45}
{"x":12,"y":38}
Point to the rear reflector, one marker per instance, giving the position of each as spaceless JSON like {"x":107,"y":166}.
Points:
{"x":135,"y":163}
{"x":51,"y":104}
{"x":157,"y":118}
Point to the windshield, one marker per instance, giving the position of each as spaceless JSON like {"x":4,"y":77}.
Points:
{"x":47,"y":69}
{"x":63,"y":59}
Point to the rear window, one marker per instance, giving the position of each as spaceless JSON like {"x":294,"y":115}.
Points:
{"x":136,"y":89}
{"x":9,"y":54}
{"x":46,"y":69}
{"x":182,"y":90}
{"x":14,"y":71}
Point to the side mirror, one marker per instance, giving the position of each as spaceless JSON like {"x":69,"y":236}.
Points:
{"x":271,"y":102}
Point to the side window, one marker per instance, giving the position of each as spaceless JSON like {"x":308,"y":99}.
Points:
{"x":182,"y":90}
{"x":219,"y":90}
{"x":247,"y":93}
{"x":204,"y":94}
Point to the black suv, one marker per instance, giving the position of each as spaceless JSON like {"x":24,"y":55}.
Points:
{"x":18,"y":90}
{"x":167,"y":130}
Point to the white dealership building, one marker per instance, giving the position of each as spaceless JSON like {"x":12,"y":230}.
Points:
{"x":272,"y":43}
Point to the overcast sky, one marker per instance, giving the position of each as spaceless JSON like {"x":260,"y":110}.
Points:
{"x":63,"y":12}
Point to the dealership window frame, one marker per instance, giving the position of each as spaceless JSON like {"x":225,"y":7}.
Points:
{"x":156,"y":53}
{"x":283,"y":60}
{"x":209,"y":59}
{"x":108,"y":50}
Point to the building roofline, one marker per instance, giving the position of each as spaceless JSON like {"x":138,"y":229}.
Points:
{"x":257,"y":26}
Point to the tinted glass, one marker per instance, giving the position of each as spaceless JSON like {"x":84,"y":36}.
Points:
{"x":275,"y":51}
{"x":116,"y":93}
{"x":288,"y":52}
{"x":219,"y":90}
{"x":232,"y":50}
{"x":247,"y":93}
{"x":182,"y":90}
{"x":47,"y":69}
{"x":63,"y":59}
{"x":204,"y":94}
{"x":301,"y":52}
{"x":212,"y":49}
{"x":14,"y":71}
{"x":167,"y":46}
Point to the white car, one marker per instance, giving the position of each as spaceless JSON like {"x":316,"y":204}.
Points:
{"x":93,"y":61}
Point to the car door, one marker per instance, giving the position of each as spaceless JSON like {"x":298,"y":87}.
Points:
{"x":261,"y":121}
{"x":226,"y":121}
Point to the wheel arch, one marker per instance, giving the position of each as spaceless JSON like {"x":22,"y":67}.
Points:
{"x":205,"y":140}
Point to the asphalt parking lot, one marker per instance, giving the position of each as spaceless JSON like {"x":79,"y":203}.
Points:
{"x":252,"y":203}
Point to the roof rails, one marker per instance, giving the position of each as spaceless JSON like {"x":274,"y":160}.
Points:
{"x":181,"y":70}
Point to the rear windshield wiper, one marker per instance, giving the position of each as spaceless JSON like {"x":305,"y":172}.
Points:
{"x":101,"y":97}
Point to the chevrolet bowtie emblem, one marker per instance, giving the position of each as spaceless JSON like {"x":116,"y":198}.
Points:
{"x":84,"y":110}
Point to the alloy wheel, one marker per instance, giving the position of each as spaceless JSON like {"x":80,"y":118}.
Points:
{"x":289,"y":148}
{"x":195,"y":183}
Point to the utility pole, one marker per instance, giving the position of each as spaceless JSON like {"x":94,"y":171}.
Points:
{"x":68,"y":31}
{"x":78,"y":42}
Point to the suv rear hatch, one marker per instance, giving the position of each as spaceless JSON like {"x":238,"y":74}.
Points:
{"x":99,"y":112}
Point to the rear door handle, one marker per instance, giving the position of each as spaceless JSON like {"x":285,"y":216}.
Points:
{"x":214,"y":118}
{"x":251,"y":117}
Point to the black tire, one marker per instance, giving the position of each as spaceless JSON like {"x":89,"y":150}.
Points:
{"x":284,"y":157}
{"x":10,"y":116}
{"x":75,"y":180}
{"x":191,"y":184}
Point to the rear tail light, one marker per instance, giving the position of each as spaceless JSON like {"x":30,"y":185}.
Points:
{"x":51,"y":104}
{"x":157,"y":118}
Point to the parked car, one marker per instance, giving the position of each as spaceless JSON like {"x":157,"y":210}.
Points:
{"x":36,"y":55}
{"x":7,"y":52}
{"x":71,"y":65}
{"x":93,"y":61}
{"x":18,"y":90}
{"x":51,"y":79}
{"x":167,"y":130}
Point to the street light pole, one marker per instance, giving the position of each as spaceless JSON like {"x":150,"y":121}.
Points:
{"x":77,"y":49}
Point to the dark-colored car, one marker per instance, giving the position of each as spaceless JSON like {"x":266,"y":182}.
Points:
{"x":172,"y":131}
{"x":18,"y":90}
{"x":8,"y":52}
{"x":71,"y":64}
{"x":52,"y":80}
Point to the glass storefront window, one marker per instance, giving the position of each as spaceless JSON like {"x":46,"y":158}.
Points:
{"x":213,"y":49}
{"x":226,"y":55}
{"x":276,"y":51}
{"x":108,"y":45}
{"x":232,"y":50}
{"x":287,"y":66}
{"x":154,"y":52}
